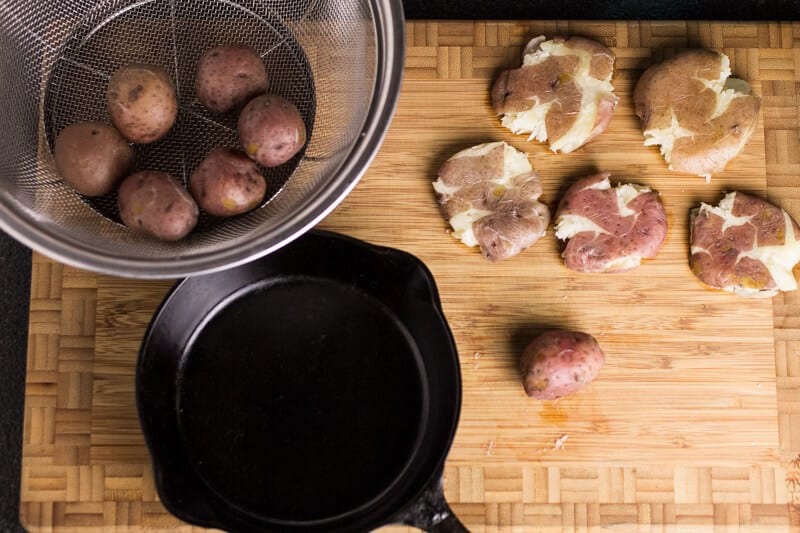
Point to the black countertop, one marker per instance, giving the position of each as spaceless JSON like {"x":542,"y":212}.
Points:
{"x":15,"y":259}
{"x":15,"y":277}
{"x":604,"y":9}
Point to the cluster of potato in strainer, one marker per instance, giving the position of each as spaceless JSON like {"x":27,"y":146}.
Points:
{"x":690,"y":107}
{"x":95,"y":158}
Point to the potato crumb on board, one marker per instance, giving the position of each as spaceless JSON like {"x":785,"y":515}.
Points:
{"x":558,"y":444}
{"x":476,"y":356}
{"x":490,"y":449}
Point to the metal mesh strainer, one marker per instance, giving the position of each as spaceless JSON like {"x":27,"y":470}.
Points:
{"x":338,"y":61}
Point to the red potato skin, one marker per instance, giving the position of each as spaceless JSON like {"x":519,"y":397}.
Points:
{"x":720,"y":263}
{"x":153,"y":202}
{"x":676,"y":89}
{"x":517,"y":218}
{"x":229,"y":76}
{"x":640,"y":235}
{"x":558,"y":363}
{"x":552,"y":81}
{"x":141,"y":102}
{"x":227,"y":183}
{"x":92,"y":157}
{"x":271,"y":130}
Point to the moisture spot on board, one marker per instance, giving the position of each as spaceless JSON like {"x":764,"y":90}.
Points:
{"x":680,"y":442}
{"x":551,"y":413}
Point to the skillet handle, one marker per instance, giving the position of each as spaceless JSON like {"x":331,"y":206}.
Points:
{"x":451,"y":524}
{"x":432,"y":514}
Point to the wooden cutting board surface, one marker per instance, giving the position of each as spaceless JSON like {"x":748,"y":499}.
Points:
{"x":694,"y":418}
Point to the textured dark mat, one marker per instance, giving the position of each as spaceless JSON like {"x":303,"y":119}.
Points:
{"x":15,"y":276}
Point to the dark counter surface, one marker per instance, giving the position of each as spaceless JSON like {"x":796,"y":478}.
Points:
{"x":604,"y":9}
{"x":15,"y":259}
{"x":15,"y":277}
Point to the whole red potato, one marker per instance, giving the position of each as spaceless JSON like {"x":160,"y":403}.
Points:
{"x":228,"y":76}
{"x":271,"y":130}
{"x":92,"y":157}
{"x":558,"y":363}
{"x":141,"y":102}
{"x":227,"y":183}
{"x":155,"y":203}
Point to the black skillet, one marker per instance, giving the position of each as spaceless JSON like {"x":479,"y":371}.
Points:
{"x":316,"y":389}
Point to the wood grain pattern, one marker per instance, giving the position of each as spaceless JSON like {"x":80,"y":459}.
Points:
{"x":694,"y":422}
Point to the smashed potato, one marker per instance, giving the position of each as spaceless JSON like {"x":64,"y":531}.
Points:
{"x":489,"y":195}
{"x":561,"y":94}
{"x":745,"y":245}
{"x":699,"y":117}
{"x":609,"y":229}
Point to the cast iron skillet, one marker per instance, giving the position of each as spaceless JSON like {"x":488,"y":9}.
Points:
{"x":316,"y":389}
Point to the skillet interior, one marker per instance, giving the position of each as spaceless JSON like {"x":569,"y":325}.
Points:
{"x":327,"y":400}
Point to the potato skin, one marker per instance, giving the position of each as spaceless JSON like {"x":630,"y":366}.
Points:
{"x":155,"y":203}
{"x":271,"y":130}
{"x":229,"y":76}
{"x":92,"y":157}
{"x":624,"y":238}
{"x":678,"y":90}
{"x":141,"y":102}
{"x":227,"y":183}
{"x":558,"y":363}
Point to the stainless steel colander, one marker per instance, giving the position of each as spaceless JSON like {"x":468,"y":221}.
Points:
{"x":339,"y":61}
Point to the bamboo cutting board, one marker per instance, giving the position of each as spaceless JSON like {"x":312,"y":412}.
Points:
{"x":693,"y":420}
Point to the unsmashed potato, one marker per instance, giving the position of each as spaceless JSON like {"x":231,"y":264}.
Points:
{"x":489,"y":194}
{"x":271,"y":130}
{"x":561,"y":94}
{"x":141,"y":102}
{"x":92,"y":157}
{"x":153,"y":202}
{"x":558,"y":363}
{"x":609,"y":229}
{"x":699,"y":116}
{"x":228,"y":76}
{"x":227,"y":183}
{"x":745,"y":245}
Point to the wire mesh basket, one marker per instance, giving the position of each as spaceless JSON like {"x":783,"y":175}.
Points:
{"x":339,"y":61}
